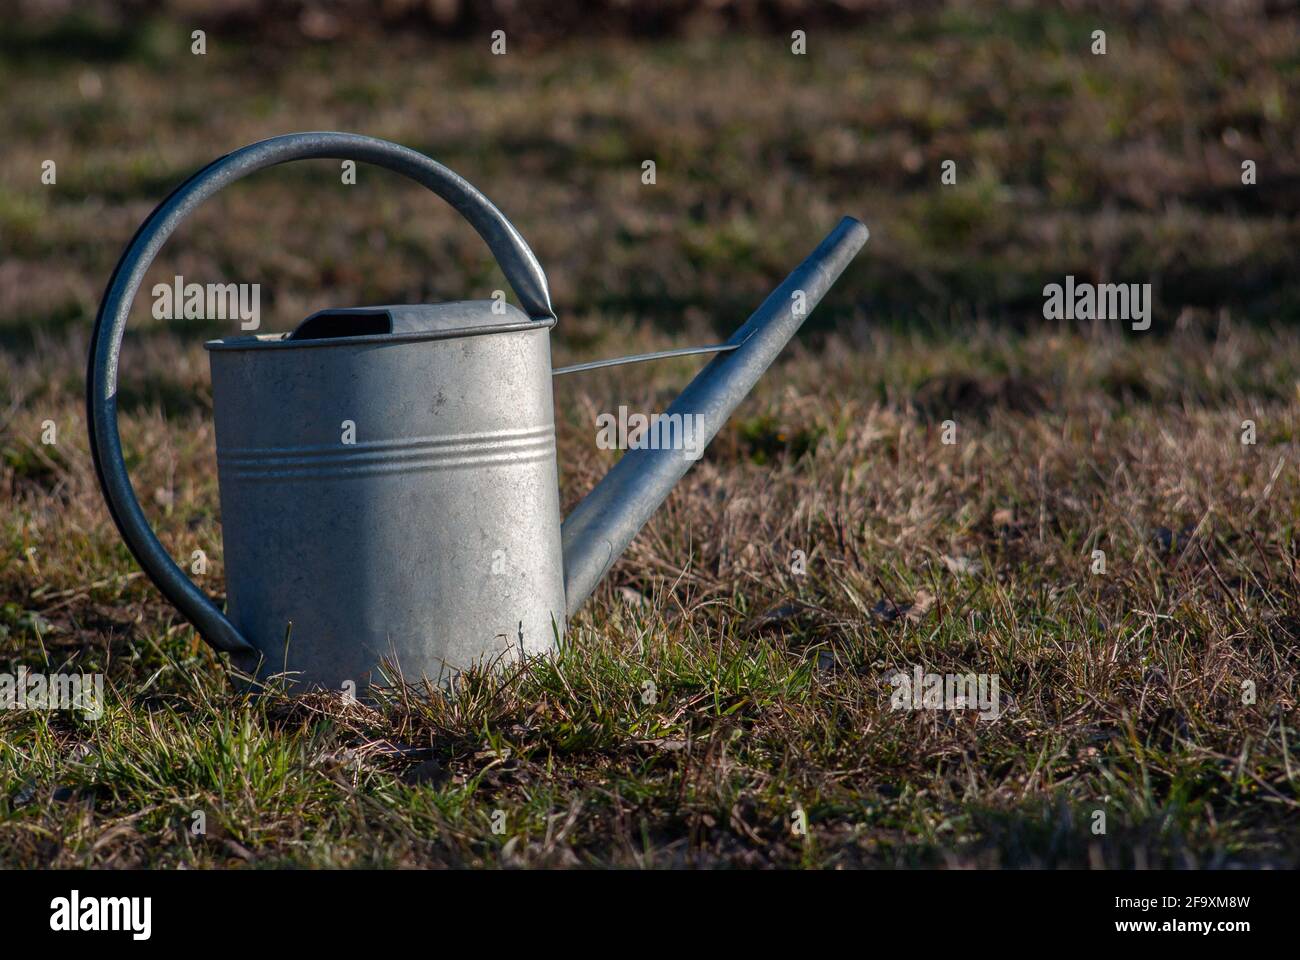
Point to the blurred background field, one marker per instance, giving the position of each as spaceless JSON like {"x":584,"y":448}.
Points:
{"x":1074,"y":436}
{"x":1124,"y":167}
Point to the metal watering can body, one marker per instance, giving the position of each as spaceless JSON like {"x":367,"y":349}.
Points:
{"x":388,"y":476}
{"x":391,"y":496}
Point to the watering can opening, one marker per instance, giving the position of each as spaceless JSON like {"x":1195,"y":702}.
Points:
{"x":397,"y":323}
{"x":335,"y":324}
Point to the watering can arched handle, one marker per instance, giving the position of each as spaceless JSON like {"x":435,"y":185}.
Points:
{"x":517,"y":262}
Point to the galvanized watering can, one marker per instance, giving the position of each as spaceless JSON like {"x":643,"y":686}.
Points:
{"x":433,"y":540}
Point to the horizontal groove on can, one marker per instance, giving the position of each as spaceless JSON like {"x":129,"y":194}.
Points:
{"x":380,"y":457}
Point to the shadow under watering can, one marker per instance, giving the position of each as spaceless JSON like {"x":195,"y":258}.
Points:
{"x":433,"y":540}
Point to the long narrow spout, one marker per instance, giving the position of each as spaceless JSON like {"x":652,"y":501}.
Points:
{"x":599,"y":529}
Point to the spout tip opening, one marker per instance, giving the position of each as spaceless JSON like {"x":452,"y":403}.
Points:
{"x":853,"y":223}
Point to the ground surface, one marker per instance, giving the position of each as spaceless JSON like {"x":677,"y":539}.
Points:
{"x":1122,"y":691}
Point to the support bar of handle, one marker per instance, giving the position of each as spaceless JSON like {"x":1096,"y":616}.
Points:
{"x":643,"y":357}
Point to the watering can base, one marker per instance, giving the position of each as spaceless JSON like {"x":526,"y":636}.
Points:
{"x":256,"y":673}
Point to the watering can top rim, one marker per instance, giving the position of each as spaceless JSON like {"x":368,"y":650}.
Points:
{"x":391,"y":323}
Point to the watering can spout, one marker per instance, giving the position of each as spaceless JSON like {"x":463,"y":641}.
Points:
{"x":600,"y":528}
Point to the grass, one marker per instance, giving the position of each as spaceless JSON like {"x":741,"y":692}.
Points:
{"x":709,"y":693}
{"x":709,"y":698}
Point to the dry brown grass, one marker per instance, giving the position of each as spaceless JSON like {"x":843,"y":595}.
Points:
{"x":1122,"y":692}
